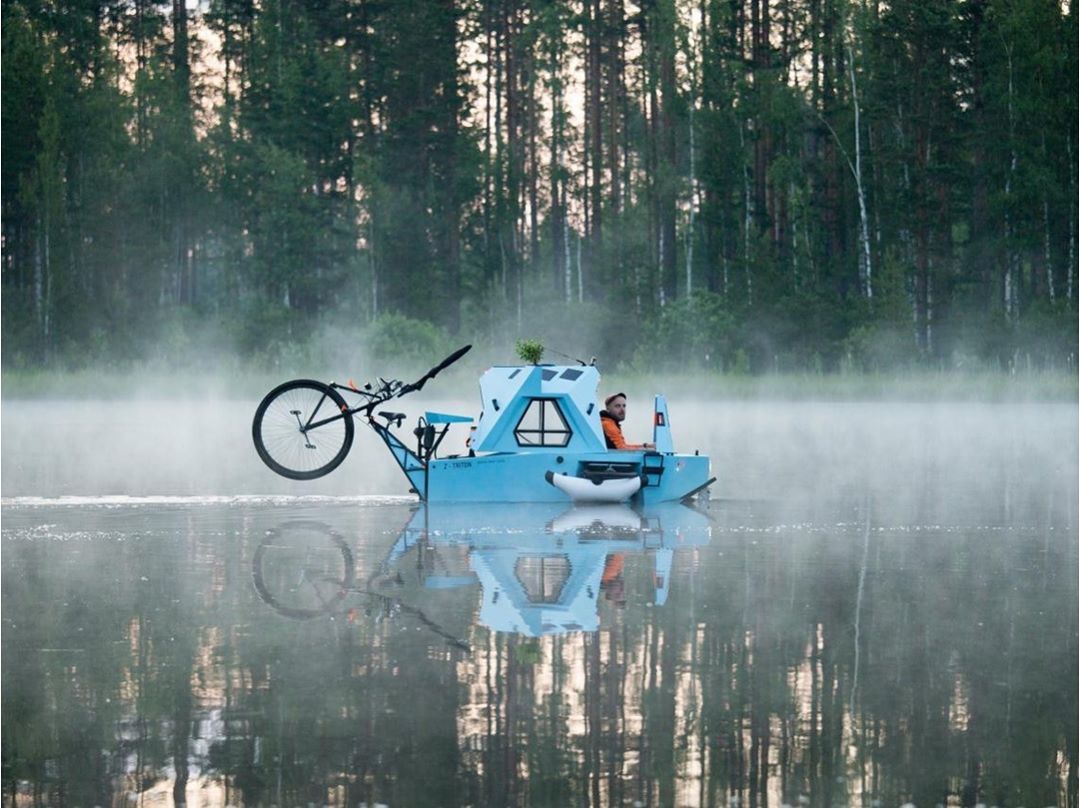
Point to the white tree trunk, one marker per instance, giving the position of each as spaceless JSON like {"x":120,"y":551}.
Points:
{"x":1010,"y":260}
{"x":747,"y":221}
{"x":568,"y":272}
{"x":929,"y":306}
{"x":502,"y":267}
{"x":520,"y":290}
{"x":1046,"y":250}
{"x":1071,"y":266}
{"x":724,"y":261}
{"x":864,"y":225}
{"x":660,"y":269}
{"x":47,"y":264}
{"x":693,"y":208}
{"x":39,"y":280}
{"x":794,"y":241}
{"x":580,"y":274}
{"x":374,"y":270}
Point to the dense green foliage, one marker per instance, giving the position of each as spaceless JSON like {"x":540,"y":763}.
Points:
{"x":530,"y":351}
{"x":741,"y":185}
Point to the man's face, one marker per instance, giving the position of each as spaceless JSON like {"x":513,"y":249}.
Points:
{"x":617,"y":408}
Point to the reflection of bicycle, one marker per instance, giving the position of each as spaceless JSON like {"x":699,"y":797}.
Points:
{"x":304,"y":569}
{"x":303,"y":429}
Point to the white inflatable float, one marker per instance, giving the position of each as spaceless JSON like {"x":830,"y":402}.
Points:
{"x":581,"y":490}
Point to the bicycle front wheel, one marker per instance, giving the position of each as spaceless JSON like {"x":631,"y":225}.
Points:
{"x":302,"y":429}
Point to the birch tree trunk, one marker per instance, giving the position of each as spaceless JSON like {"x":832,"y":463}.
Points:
{"x":1011,"y":269}
{"x":374,"y":268}
{"x":560,"y":249}
{"x":46,"y":328}
{"x":1071,"y":261}
{"x":693,"y":202}
{"x":39,"y":279}
{"x":595,"y":143}
{"x":1048,"y":267}
{"x":748,"y":213}
{"x":580,"y":275}
{"x":864,"y":225}
{"x":566,"y":258}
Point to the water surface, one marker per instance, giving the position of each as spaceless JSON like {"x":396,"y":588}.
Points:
{"x":878,"y":607}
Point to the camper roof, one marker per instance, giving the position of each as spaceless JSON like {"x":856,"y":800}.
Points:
{"x":539,"y":408}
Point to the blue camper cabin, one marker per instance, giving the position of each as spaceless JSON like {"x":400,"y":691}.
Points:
{"x":543,"y":420}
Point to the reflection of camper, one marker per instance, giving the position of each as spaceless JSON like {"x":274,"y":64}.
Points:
{"x":542,"y":571}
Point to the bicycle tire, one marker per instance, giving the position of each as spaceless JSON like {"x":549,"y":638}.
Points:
{"x":285,"y":447}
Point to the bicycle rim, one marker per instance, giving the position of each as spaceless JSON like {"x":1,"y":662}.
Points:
{"x":282,"y":442}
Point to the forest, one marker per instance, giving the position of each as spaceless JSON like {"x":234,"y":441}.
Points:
{"x":727,"y":185}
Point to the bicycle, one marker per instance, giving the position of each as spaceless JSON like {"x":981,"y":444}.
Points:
{"x":303,"y":429}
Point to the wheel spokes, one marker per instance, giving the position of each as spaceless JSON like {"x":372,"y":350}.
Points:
{"x":287,"y":436}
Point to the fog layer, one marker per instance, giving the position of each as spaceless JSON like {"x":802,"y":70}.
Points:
{"x":912,"y":455}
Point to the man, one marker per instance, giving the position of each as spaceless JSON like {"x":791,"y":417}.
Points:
{"x":611,"y":418}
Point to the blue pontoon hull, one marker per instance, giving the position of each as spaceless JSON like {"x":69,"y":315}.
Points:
{"x":515,"y":477}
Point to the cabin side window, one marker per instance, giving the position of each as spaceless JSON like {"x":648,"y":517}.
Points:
{"x":542,"y":424}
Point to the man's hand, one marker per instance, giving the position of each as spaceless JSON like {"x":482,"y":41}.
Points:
{"x":649,"y":445}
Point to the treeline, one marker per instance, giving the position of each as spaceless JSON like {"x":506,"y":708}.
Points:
{"x":747,"y":184}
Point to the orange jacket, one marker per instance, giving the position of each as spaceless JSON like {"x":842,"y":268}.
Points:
{"x":613,"y":433}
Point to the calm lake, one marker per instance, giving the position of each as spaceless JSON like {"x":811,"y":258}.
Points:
{"x":878,"y":607}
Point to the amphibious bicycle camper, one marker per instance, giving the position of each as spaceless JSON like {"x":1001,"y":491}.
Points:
{"x":538,"y":438}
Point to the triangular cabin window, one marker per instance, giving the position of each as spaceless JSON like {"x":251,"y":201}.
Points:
{"x":542,"y":424}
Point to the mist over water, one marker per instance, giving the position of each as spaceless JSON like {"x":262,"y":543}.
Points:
{"x":878,"y":607}
{"x":931,"y":457}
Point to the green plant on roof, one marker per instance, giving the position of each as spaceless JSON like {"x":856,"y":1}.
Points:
{"x":530,"y":351}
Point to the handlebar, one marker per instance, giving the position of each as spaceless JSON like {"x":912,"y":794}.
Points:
{"x":431,"y":374}
{"x":394,"y":388}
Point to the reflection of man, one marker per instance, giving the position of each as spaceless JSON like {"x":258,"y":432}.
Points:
{"x":611,"y":418}
{"x":611,"y":582}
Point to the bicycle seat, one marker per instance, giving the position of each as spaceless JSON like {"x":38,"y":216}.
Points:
{"x":396,"y":417}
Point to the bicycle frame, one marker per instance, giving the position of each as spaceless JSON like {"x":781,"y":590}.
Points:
{"x":414,"y":465}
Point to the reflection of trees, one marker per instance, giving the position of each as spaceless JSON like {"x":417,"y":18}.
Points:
{"x":97,"y":668}
{"x":752,"y":696}
{"x":741,"y":685}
